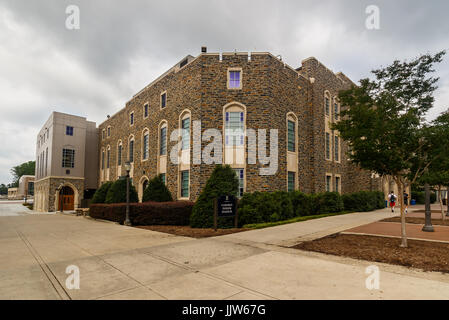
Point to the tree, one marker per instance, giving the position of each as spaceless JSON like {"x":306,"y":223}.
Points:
{"x":223,"y":181}
{"x":156,"y":191}
{"x":24,"y":169}
{"x":437,"y":173}
{"x":3,"y":189}
{"x":100,"y":194}
{"x":117,"y":193}
{"x":383,"y":122}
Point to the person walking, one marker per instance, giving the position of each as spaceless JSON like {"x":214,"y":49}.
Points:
{"x":392,"y":198}
{"x":406,"y":201}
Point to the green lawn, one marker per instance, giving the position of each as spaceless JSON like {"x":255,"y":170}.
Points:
{"x":297,"y":219}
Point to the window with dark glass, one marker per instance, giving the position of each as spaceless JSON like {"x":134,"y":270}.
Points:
{"x":185,"y":184}
{"x":119,"y":155}
{"x":336,"y":148}
{"x":291,"y":182}
{"x":328,"y":147}
{"x":145,"y":146}
{"x":328,"y":183}
{"x":131,"y":118}
{"x":327,"y":105}
{"x":131,"y":151}
{"x":108,"y":157}
{"x":337,"y":184}
{"x":164,"y":100}
{"x":336,"y":110}
{"x":145,"y":111}
{"x":291,"y":136}
{"x":69,"y":131}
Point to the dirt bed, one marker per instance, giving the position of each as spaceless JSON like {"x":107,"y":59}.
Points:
{"x":425,"y":255}
{"x":437,"y":222}
{"x":187,"y":231}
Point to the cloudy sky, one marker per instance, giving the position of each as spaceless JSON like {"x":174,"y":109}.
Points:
{"x":123,"y":45}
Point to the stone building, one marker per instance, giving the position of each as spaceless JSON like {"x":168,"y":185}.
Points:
{"x":66,"y":162}
{"x":24,"y":190}
{"x":237,"y":91}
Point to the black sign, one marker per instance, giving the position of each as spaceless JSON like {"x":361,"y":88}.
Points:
{"x":226,"y":206}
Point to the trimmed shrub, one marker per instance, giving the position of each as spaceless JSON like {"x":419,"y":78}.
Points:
{"x":260,"y":207}
{"x":223,"y":181}
{"x":364,"y":201}
{"x":156,"y":191}
{"x":100,"y":194}
{"x":144,"y":214}
{"x":303,"y":203}
{"x":328,"y":202}
{"x":117,"y":193}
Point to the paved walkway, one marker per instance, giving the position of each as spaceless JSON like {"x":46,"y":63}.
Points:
{"x":118,"y":262}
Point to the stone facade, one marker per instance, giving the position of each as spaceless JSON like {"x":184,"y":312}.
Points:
{"x":271,"y":92}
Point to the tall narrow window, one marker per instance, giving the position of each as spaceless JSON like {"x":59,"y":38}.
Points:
{"x":241,"y":176}
{"x":337,"y":149}
{"x":163,"y":100}
{"x":108,"y":158}
{"x":68,"y":158}
{"x":46,"y":161}
{"x":291,"y":136}
{"x":131,"y":118}
{"x":327,"y":105}
{"x":328,"y":147}
{"x":185,"y":133}
{"x":119,"y":155}
{"x":328,"y":183}
{"x":145,"y":110}
{"x":131,"y":151}
{"x":185,"y":184}
{"x":102,"y":160}
{"x":163,"y":142}
{"x":109,"y":131}
{"x":291,"y":182}
{"x":145,"y":150}
{"x":234,"y":128}
{"x":234,"y":79}
{"x":336,"y":111}
{"x":337,"y":184}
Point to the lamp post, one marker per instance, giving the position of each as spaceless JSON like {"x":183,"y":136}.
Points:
{"x":128,"y":169}
{"x":428,"y":226}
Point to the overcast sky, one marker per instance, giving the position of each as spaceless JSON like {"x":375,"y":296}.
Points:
{"x":122,"y":46}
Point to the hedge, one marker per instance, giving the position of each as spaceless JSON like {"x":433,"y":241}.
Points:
{"x":420,"y":197}
{"x":260,"y":207}
{"x":147,"y":213}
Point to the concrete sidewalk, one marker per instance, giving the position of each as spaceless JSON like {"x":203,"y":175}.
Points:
{"x":288,"y":235}
{"x":118,"y":262}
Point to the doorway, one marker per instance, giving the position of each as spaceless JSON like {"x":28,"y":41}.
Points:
{"x":66,"y":199}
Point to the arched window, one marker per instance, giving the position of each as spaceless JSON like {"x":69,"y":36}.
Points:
{"x":336,"y":108}
{"x":327,"y":103}
{"x":119,"y":152}
{"x":292,"y":132}
{"x":145,"y":144}
{"x":234,"y":125}
{"x":108,"y":157}
{"x":163,"y":138}
{"x":185,"y":125}
{"x":131,"y":149}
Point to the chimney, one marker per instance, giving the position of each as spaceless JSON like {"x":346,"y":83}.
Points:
{"x":203,"y":49}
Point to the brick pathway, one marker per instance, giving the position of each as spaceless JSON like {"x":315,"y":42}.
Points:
{"x":393,"y":229}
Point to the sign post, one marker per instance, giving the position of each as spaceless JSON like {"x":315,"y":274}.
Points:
{"x":225,"y":206}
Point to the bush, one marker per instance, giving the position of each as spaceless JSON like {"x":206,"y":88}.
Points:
{"x":328,"y":202}
{"x":117,"y":193}
{"x":100,"y":194}
{"x":223,"y":181}
{"x":364,"y":201}
{"x":420,"y":197}
{"x":303,"y":203}
{"x":156,"y":191}
{"x":144,"y":214}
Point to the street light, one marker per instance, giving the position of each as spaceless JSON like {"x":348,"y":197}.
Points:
{"x":128,"y":169}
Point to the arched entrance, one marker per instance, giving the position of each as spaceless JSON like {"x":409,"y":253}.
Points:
{"x":66,"y":199}
{"x":143,"y":184}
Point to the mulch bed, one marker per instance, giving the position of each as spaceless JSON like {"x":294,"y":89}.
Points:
{"x":425,"y":255}
{"x":437,"y":222}
{"x":187,"y":231}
